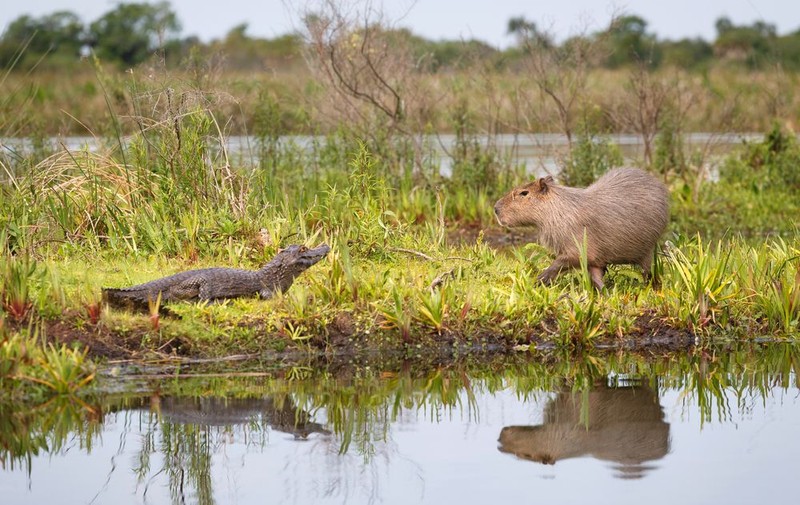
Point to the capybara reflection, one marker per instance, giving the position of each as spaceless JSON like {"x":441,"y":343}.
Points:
{"x":622,"y":425}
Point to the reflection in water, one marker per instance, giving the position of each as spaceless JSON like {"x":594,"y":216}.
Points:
{"x":27,"y":432}
{"x":624,"y":425}
{"x":378,"y":434}
{"x":211,"y":411}
{"x":190,"y":430}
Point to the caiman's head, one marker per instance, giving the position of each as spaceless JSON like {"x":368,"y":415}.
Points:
{"x":289,"y":263}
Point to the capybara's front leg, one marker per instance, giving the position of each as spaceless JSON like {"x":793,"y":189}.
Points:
{"x":559,"y":264}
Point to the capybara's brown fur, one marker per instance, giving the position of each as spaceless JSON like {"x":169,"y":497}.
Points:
{"x":622,"y":214}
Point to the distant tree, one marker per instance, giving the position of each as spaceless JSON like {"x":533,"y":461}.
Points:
{"x":787,"y":50}
{"x":60,"y":33}
{"x":687,"y":53}
{"x":527,"y":33}
{"x":130,"y":33}
{"x":177,"y":51}
{"x":753,"y":44}
{"x":629,"y":43}
{"x":520,"y":26}
{"x":441,"y":54}
{"x":242,"y":51}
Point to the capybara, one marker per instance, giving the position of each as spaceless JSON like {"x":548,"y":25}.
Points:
{"x":622,"y":215}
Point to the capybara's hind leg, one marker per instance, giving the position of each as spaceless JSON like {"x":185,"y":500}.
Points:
{"x":647,"y":269}
{"x":596,"y":273}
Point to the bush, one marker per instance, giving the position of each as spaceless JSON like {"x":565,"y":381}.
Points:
{"x":591,"y":156}
{"x":773,"y":163}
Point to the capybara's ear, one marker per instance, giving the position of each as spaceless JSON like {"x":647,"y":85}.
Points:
{"x":544,"y":182}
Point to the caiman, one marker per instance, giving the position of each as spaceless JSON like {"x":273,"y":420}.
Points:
{"x":209,"y":284}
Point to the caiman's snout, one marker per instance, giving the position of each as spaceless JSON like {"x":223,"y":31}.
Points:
{"x":308,"y":257}
{"x":302,"y":255}
{"x":317,"y":253}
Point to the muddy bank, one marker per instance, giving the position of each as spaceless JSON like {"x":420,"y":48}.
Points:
{"x":343,"y":342}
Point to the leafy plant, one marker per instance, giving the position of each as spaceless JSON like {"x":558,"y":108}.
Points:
{"x":15,"y":290}
{"x":591,"y":157}
{"x":703,"y":281}
{"x":62,"y":370}
{"x":396,"y":315}
{"x":433,"y":307}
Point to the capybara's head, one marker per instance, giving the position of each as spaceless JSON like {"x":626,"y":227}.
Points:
{"x":522,"y":205}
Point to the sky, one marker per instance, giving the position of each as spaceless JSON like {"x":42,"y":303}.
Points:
{"x":485,"y":20}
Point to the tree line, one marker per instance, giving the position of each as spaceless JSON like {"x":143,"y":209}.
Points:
{"x":133,"y":33}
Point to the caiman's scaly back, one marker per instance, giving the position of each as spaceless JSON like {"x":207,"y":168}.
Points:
{"x":221,"y":283}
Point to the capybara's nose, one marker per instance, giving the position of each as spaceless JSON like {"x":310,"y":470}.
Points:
{"x":496,"y":212}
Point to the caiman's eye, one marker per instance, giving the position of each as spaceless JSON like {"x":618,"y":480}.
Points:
{"x":303,"y":248}
{"x":523,"y":193}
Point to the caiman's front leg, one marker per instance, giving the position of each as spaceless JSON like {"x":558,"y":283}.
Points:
{"x":192,"y":288}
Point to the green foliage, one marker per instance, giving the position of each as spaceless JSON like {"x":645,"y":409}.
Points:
{"x":771,"y":164}
{"x":769,"y":274}
{"x":703,"y":281}
{"x":724,"y":208}
{"x":590,"y":157}
{"x":433,"y":307}
{"x":629,"y":43}
{"x":473,"y":165}
{"x":751,"y":44}
{"x":27,"y":40}
{"x":361,"y":212}
{"x":690,"y":54}
{"x":18,"y":273}
{"x":130,"y":33}
{"x":63,"y":371}
{"x":31,"y":370}
{"x":669,"y":156}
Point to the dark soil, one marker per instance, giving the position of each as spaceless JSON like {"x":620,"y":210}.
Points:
{"x":342,"y":341}
{"x":496,"y":237}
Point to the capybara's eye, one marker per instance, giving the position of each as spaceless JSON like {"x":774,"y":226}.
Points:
{"x":523,"y":193}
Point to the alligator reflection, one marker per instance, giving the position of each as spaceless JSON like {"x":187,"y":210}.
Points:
{"x":190,"y":430}
{"x":212,"y":411}
{"x":622,"y":425}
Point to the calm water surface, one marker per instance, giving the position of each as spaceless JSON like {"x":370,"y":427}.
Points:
{"x":700,"y":428}
{"x":539,"y":153}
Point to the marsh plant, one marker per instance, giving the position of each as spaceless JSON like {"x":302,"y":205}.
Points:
{"x":591,"y":156}
{"x":19,"y":273}
{"x":703,"y":277}
{"x":31,"y":370}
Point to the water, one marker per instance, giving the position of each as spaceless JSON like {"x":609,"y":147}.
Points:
{"x":539,"y":153}
{"x":699,"y":428}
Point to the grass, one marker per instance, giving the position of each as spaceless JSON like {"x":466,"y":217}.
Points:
{"x":171,"y":197}
{"x":729,"y":290}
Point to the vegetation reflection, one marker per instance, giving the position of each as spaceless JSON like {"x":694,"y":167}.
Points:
{"x":606,"y":406}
